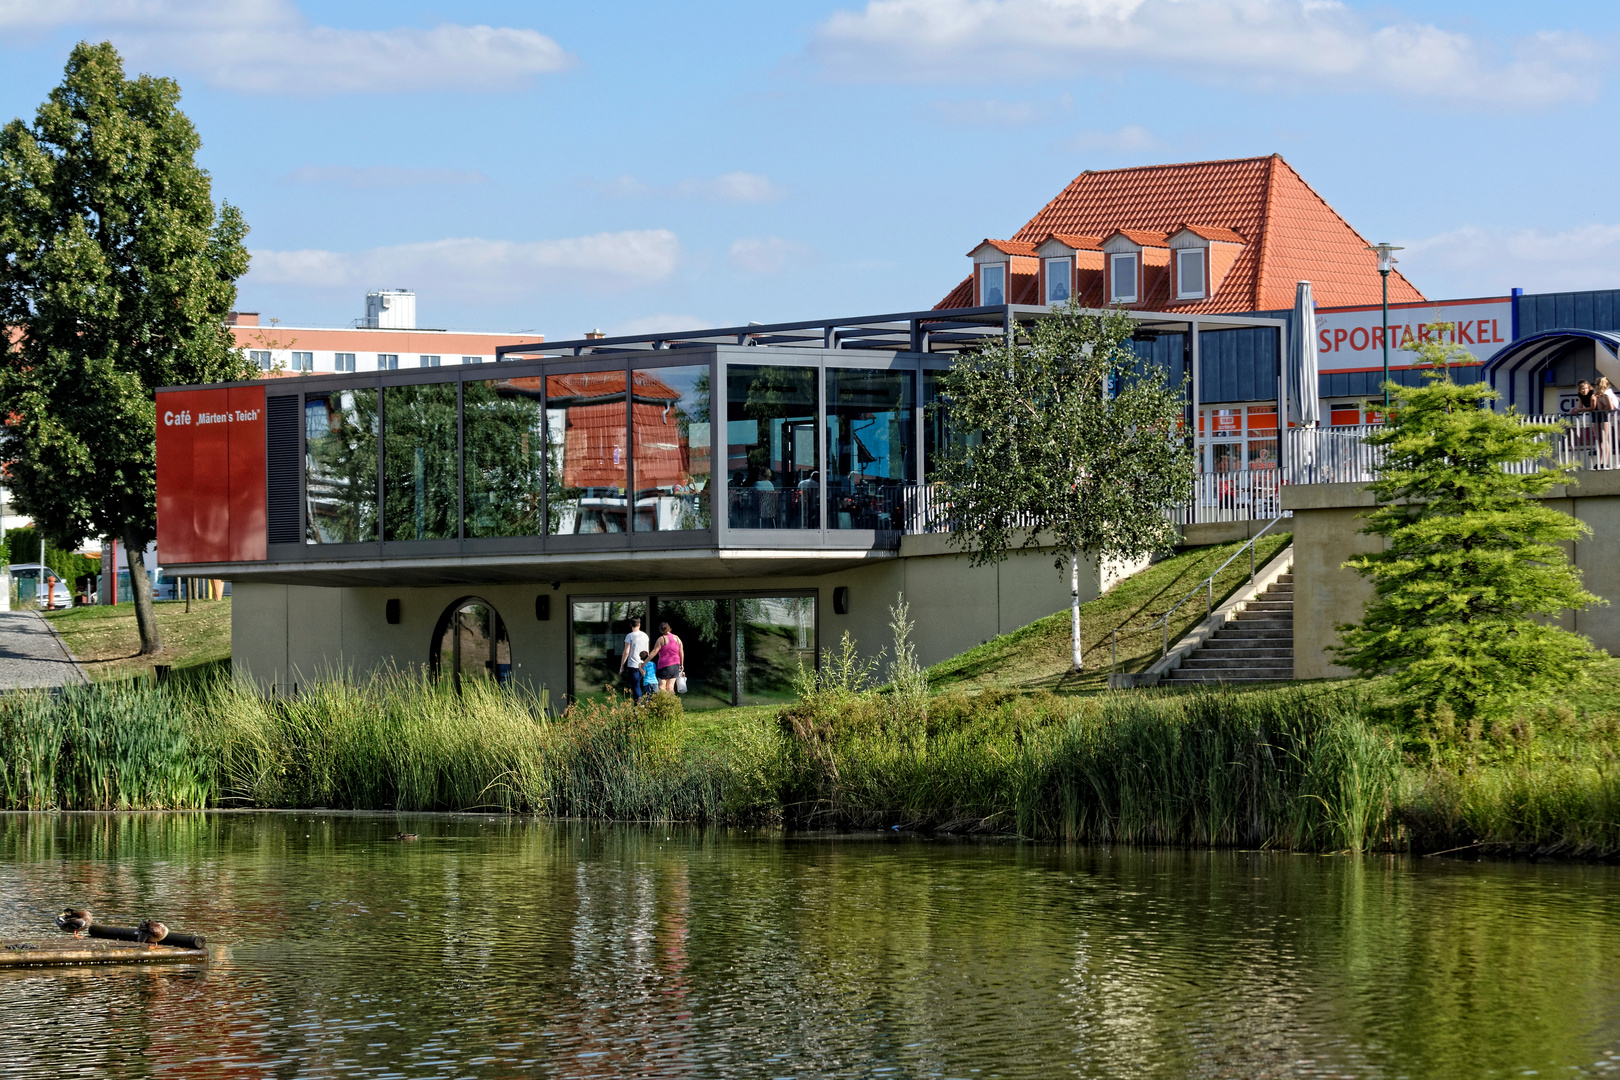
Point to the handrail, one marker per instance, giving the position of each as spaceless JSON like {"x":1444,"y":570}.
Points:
{"x":1208,"y":585}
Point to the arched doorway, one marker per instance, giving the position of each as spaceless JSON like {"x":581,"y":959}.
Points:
{"x":470,"y":643}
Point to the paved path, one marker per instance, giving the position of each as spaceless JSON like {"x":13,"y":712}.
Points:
{"x":31,"y":655}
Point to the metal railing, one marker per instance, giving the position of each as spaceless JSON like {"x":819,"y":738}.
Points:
{"x":1207,"y":587}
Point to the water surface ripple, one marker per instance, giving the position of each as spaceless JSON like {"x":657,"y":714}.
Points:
{"x":494,"y":947}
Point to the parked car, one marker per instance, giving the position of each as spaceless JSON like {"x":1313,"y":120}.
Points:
{"x":61,"y":592}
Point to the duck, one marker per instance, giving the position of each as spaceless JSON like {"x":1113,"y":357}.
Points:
{"x":75,"y":921}
{"x":405,"y":836}
{"x":150,"y":931}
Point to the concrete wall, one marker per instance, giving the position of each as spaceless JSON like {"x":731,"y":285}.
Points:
{"x":1327,"y":524}
{"x":291,"y":634}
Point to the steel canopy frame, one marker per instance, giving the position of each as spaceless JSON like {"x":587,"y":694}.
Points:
{"x":932,"y":331}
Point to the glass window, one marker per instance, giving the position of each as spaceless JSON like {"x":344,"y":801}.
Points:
{"x":992,"y":284}
{"x":1122,"y":268}
{"x":387,"y":361}
{"x":419,"y":462}
{"x":1059,"y":274}
{"x":303,"y":361}
{"x":1189,"y":273}
{"x":340,"y":466}
{"x":599,"y":628}
{"x":869,"y":448}
{"x":704,"y":627}
{"x":937,"y":432}
{"x":504,"y":440}
{"x":671,"y":414}
{"x":472,"y":359}
{"x":586,"y":460}
{"x":778,"y":638}
{"x":261,"y":357}
{"x":772,"y":480}
{"x":470,"y":643}
{"x":343,"y":361}
{"x":428,"y":361}
{"x":1262,"y":424}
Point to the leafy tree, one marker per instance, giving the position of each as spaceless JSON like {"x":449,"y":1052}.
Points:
{"x":1072,"y":439}
{"x":1471,"y":573}
{"x":116,"y":273}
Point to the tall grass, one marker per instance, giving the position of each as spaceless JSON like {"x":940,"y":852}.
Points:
{"x":1303,"y":768}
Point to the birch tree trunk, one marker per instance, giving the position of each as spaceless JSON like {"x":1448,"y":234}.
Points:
{"x":1074,"y":606}
{"x":140,"y":588}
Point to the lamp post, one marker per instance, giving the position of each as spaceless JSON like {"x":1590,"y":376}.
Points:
{"x":1386,"y":263}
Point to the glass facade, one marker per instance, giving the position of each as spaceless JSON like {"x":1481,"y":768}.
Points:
{"x":420,"y":485}
{"x":772,"y":473}
{"x":739,"y":650}
{"x":504,"y":451}
{"x":670,"y":419}
{"x":871,"y":447}
{"x":340,"y":466}
{"x":622,"y":451}
{"x":586,"y":459}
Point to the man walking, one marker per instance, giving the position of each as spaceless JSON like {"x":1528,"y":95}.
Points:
{"x":635,"y":643}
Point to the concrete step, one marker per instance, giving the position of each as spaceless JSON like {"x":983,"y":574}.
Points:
{"x":1180,"y":676}
{"x":1279,"y":650}
{"x":1263,"y":624}
{"x":1199,"y":662}
{"x":1265,"y":604}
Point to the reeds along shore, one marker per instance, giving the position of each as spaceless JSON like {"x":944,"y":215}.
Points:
{"x":1300,"y":768}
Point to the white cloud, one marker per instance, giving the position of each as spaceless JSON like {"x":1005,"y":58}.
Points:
{"x":1129,"y":139}
{"x":732,"y":187}
{"x":1269,"y":42}
{"x":481,"y":270}
{"x":1472,"y":261}
{"x":377,"y":176}
{"x":269,"y":47}
{"x":992,"y":113}
{"x":767,"y":254}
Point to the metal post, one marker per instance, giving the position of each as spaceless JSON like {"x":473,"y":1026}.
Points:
{"x":1166,"y":622}
{"x":1383,"y":273}
{"x":1113,"y":652}
{"x":1251,"y":561}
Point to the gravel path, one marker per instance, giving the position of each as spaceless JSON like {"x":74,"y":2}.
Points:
{"x":31,"y":655}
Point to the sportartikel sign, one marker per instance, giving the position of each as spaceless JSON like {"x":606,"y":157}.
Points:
{"x":1352,"y":338}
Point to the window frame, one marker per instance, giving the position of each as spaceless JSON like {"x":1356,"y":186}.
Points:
{"x":1202,"y":255}
{"x":1068,"y":275}
{"x":1001,"y":271}
{"x":388,"y":361}
{"x":1114,"y":259}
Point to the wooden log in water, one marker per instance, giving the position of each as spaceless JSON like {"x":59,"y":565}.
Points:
{"x":174,"y":938}
{"x":62,"y":952}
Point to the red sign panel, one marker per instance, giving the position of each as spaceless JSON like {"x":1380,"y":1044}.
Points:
{"x":210,"y":475}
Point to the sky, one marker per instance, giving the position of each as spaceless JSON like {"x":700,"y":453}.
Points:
{"x":558,"y":168}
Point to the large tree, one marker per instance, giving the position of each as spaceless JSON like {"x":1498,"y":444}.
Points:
{"x":116,"y":274}
{"x":1473,"y":570}
{"x":1063,"y":438}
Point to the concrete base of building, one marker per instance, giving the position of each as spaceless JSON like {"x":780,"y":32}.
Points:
{"x":285,"y":635}
{"x":1327,"y":524}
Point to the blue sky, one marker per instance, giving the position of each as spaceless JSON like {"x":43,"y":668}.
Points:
{"x":557,"y":167}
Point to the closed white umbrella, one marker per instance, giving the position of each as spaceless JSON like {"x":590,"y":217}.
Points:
{"x":1302,"y":376}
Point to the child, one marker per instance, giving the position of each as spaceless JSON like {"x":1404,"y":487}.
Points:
{"x":649,"y":675}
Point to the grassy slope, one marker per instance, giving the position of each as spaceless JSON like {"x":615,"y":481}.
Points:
{"x":107,"y":645}
{"x":1037,"y":656}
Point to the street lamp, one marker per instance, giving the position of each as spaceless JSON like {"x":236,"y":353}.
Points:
{"x":1386,"y":263}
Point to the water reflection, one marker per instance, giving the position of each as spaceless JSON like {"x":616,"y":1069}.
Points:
{"x":493,"y":947}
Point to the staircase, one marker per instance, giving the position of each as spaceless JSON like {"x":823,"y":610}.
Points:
{"x":1255,"y":645}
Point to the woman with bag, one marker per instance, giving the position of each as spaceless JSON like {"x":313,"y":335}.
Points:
{"x":671,"y":658}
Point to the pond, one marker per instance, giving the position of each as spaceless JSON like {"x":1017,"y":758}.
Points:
{"x":500,"y":947}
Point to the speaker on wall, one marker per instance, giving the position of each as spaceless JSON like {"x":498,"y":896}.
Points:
{"x":841,"y":600}
{"x":391,"y":611}
{"x":542,"y":607}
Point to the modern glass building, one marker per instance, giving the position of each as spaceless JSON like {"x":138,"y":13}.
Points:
{"x":760,"y":488}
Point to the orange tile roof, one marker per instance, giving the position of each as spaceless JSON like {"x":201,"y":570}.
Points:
{"x":1007,"y":247}
{"x":1210,"y":232}
{"x":1290,"y":232}
{"x":1140,"y":237}
{"x":1079,"y":243}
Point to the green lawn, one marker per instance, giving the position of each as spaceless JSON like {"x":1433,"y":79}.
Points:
{"x":1037,"y":656}
{"x":107,"y":645}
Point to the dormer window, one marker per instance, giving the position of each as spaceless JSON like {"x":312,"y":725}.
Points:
{"x":1122,"y":279}
{"x":992,"y":284}
{"x":1190,"y":274}
{"x":1059,"y":275}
